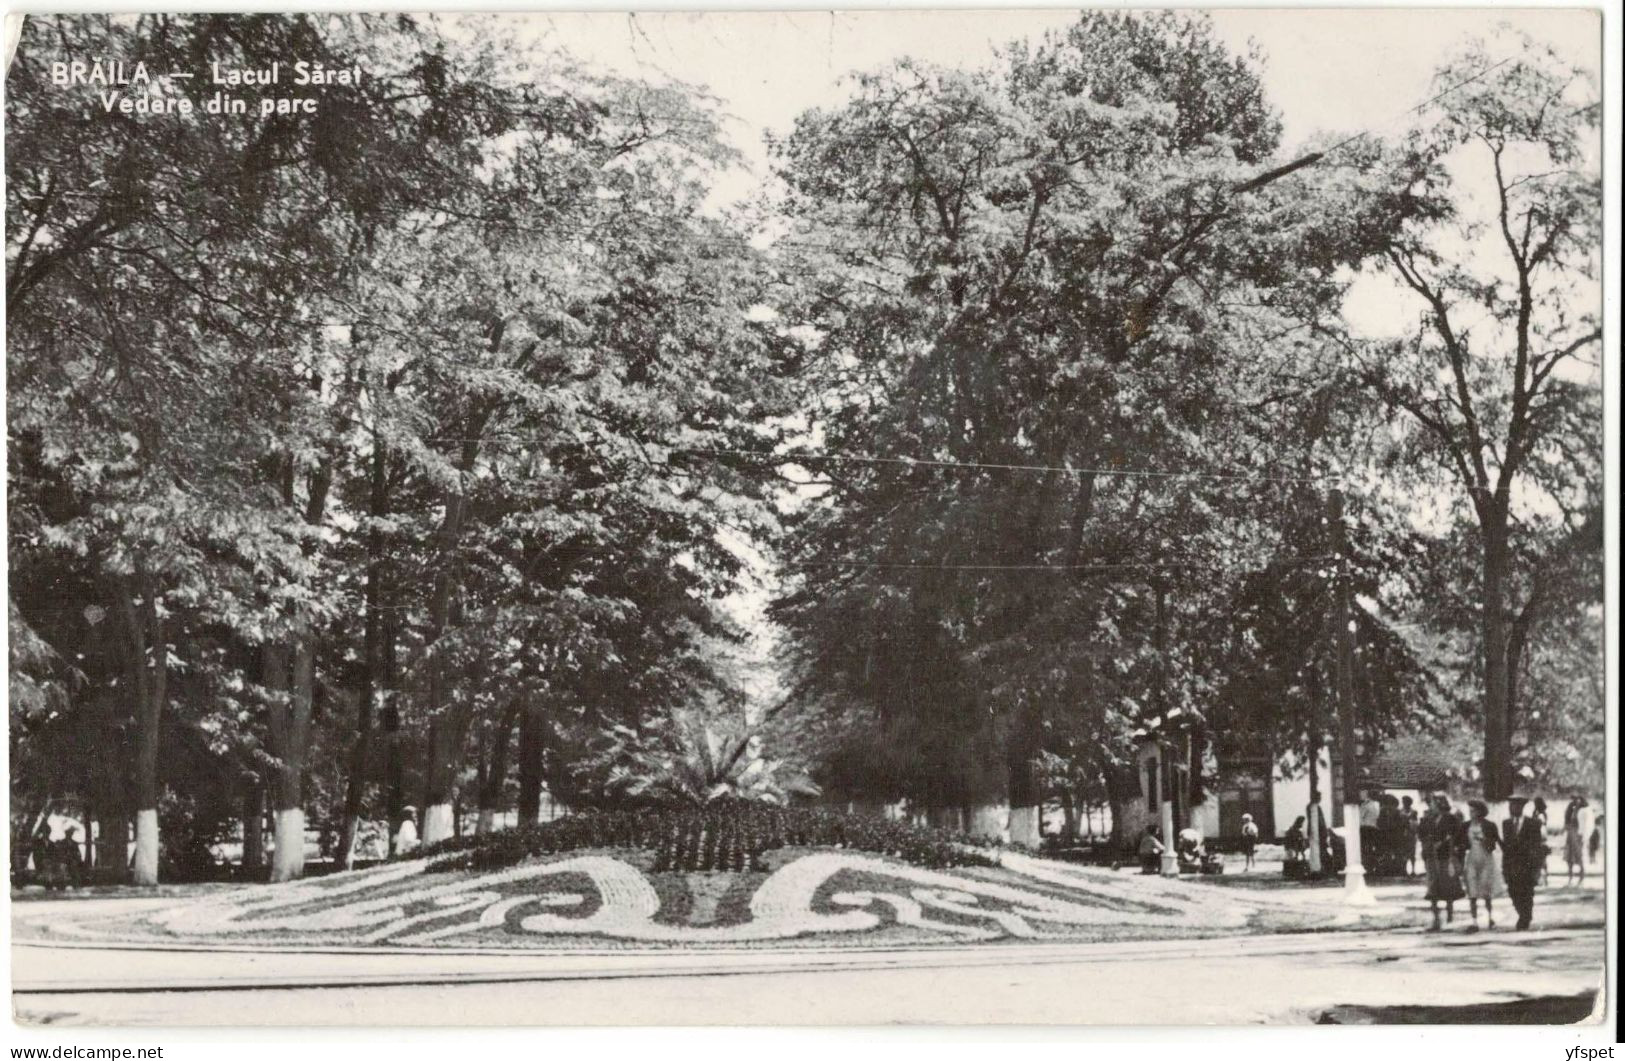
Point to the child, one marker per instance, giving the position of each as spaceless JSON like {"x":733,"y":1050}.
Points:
{"x":1249,"y":840}
{"x":1296,"y":843}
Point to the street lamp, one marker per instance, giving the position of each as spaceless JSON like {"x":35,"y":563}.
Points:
{"x":1160,"y":793}
{"x":1354,"y":887}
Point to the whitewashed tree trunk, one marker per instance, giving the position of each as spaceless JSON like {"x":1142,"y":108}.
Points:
{"x":486,"y":821}
{"x":145,"y":871}
{"x":437,"y":825}
{"x":288,"y":861}
{"x":990,"y":820}
{"x":1025,"y":826}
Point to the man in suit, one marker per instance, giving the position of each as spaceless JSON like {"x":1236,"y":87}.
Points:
{"x":1525,"y":845}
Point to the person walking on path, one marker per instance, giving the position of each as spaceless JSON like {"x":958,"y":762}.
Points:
{"x":1539,"y":812}
{"x":1249,"y":840}
{"x":1440,"y":830}
{"x":1596,"y":839}
{"x":1576,"y":818}
{"x":1480,"y":864}
{"x":1525,"y":844}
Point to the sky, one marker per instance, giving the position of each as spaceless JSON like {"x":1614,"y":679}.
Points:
{"x":1347,"y":70}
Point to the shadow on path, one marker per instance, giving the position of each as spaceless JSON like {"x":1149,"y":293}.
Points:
{"x":1552,"y":1009}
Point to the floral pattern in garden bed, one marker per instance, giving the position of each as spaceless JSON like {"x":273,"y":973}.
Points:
{"x":612,"y":897}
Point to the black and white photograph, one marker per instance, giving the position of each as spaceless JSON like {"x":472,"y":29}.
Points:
{"x":1052,"y":517}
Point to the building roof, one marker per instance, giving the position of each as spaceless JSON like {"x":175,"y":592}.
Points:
{"x":1410,"y":763}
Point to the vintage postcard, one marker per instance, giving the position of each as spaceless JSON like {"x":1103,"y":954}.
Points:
{"x":1084,"y":517}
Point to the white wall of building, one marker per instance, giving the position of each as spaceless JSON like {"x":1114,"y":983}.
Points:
{"x":1289,"y":788}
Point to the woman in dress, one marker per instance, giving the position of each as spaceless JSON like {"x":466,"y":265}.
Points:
{"x":1481,"y":868}
{"x":1543,"y":816}
{"x":1440,"y":832}
{"x":406,"y":836}
{"x":1575,"y":820}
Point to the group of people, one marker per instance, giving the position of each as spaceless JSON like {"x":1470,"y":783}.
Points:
{"x":1297,"y":841}
{"x":1475,"y":859}
{"x":1389,"y":829}
{"x":58,"y":864}
{"x":1191,"y":852}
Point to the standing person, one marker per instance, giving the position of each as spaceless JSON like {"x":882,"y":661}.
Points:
{"x":1408,"y":844}
{"x":1319,"y":835}
{"x":1539,"y":813}
{"x":1371,"y":830}
{"x":1249,"y":840}
{"x":1440,"y":833}
{"x":1596,"y":839}
{"x":1482,"y":875}
{"x":1391,"y":830}
{"x":1525,"y":845}
{"x":44,"y":855}
{"x":406,"y":837}
{"x":70,"y":861}
{"x":1575,"y":819}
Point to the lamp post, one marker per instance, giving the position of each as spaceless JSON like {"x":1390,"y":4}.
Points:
{"x":1354,"y":887}
{"x":1159,"y":791}
{"x":1170,"y":851}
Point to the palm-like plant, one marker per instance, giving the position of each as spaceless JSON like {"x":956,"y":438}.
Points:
{"x":686,"y":759}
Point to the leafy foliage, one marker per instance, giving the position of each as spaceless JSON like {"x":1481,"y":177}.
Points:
{"x":687,"y":759}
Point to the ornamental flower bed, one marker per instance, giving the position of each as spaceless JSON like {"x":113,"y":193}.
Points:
{"x":730,"y":836}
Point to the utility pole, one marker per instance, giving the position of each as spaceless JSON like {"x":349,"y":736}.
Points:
{"x":1354,"y":889}
{"x":1165,"y":772}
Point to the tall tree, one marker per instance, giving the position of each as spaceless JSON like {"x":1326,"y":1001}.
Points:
{"x":1490,"y":221}
{"x":1020,"y":270}
{"x":171,"y":368}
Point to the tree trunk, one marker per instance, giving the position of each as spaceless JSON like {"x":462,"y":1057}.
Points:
{"x":989,"y":820}
{"x":372,"y":665}
{"x":113,"y":840}
{"x":394,"y":755}
{"x":147,"y":663}
{"x":1122,"y":785}
{"x":254,"y":829}
{"x":1497,"y":733}
{"x":438,"y":782}
{"x":1023,"y":770}
{"x":1069,"y":817}
{"x":290,"y":676}
{"x":439,"y":822}
{"x":448,"y":719}
{"x":532,"y":732}
{"x":496,"y":768}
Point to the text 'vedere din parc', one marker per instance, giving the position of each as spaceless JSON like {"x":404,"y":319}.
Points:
{"x":130,"y":88}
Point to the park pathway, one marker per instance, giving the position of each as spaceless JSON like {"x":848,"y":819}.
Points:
{"x":1272,"y":979}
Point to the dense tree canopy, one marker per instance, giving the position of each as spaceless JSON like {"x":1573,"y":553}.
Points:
{"x":420,"y":452}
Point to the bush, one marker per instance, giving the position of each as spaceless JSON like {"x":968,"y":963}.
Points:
{"x":729,"y":835}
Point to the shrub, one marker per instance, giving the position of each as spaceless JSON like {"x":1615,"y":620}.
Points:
{"x":729,"y":835}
